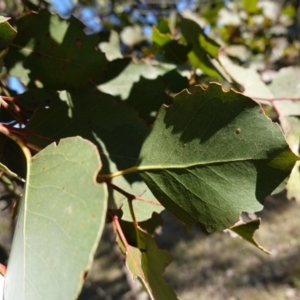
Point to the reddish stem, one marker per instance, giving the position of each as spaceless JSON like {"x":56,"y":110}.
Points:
{"x":23,"y":132}
{"x":118,"y":228}
{"x":11,"y":99}
{"x":13,"y":109}
{"x":6,"y":130}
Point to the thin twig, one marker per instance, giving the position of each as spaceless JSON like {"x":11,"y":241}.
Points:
{"x":23,"y":132}
{"x":131,"y":196}
{"x":118,"y":228}
{"x":14,"y":111}
{"x":19,"y":140}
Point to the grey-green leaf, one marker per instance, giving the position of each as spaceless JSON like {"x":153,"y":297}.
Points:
{"x":212,"y":155}
{"x":60,"y":221}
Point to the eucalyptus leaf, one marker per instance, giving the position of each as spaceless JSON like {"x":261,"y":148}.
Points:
{"x":7,"y":32}
{"x":213,"y":154}
{"x":60,"y":221}
{"x":246,"y":231}
{"x":54,"y":52}
{"x":147,"y":262}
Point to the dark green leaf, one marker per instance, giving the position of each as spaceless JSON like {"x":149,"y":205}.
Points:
{"x":114,"y":128}
{"x":54,"y":52}
{"x":171,"y":48}
{"x":212,"y":155}
{"x":202,"y":48}
{"x":163,"y":25}
{"x":7,"y":32}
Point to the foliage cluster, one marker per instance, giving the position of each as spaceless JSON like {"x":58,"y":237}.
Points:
{"x":114,"y":128}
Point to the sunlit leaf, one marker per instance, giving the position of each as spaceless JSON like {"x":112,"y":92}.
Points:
{"x":60,"y":221}
{"x":247,"y":230}
{"x":7,"y":32}
{"x":285,"y":85}
{"x":293,"y":139}
{"x":203,"y":48}
{"x":248,"y":78}
{"x":112,"y":48}
{"x":250,"y":6}
{"x":147,"y":263}
{"x":171,"y":48}
{"x":122,"y":84}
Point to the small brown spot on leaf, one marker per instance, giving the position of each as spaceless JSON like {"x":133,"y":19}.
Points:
{"x":238,"y":130}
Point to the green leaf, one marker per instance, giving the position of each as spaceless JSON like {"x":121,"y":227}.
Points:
{"x":143,"y":207}
{"x":149,"y":226}
{"x":212,"y":155}
{"x":147,"y":263}
{"x":247,"y":230}
{"x":7,"y":32}
{"x":293,"y":139}
{"x":112,"y":48}
{"x":249,"y":78}
{"x":163,"y":25}
{"x":54,"y":52}
{"x":170,"y":47}
{"x":285,"y":85}
{"x":147,"y":96}
{"x":161,"y":39}
{"x":143,"y":88}
{"x":114,"y":128}
{"x":211,"y":11}
{"x":202,"y":48}
{"x":31,"y":100}
{"x":250,"y":6}
{"x":122,"y":84}
{"x":60,"y":221}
